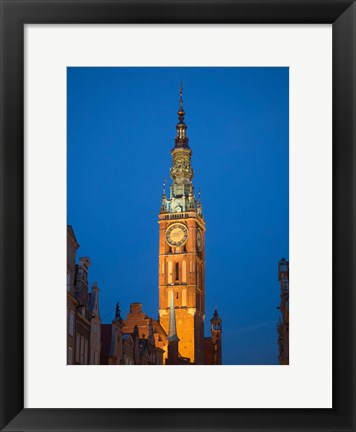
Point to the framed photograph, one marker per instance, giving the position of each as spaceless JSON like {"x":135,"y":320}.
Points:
{"x":177,"y":217}
{"x":237,"y":123}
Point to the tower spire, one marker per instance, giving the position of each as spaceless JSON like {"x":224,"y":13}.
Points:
{"x":172,"y":332}
{"x":182,"y":196}
{"x":181,"y":112}
{"x":181,"y":140}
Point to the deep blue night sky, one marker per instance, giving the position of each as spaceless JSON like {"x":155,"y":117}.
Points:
{"x":121,"y":128}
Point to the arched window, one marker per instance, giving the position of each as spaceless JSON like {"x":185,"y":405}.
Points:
{"x":177,"y":271}
{"x":184,"y":297}
{"x":170,"y":270}
{"x":169,"y":293}
{"x":184,"y":271}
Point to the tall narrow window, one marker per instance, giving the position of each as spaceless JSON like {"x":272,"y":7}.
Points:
{"x":86,"y":351}
{"x":184,"y":271}
{"x":81,"y":350}
{"x":170,"y":270}
{"x":77,"y":347}
{"x":71,"y":323}
{"x":177,"y":271}
{"x":184,"y":297}
{"x":70,"y":356}
{"x":169,"y":298}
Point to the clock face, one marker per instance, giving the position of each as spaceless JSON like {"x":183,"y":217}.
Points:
{"x":176,"y":234}
{"x":199,"y":241}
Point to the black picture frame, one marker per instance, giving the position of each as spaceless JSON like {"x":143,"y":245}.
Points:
{"x":14,"y":15}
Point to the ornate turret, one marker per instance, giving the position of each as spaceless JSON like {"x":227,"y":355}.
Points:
{"x":181,"y":140}
{"x":182,"y":197}
{"x":216,"y":333}
{"x":216,"y":322}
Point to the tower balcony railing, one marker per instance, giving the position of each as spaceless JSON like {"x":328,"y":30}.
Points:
{"x":177,"y":283}
{"x":183,"y":215}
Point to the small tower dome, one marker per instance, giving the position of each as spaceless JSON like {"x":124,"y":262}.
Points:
{"x":216,"y":322}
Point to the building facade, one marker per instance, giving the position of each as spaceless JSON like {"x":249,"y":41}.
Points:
{"x":283,"y":323}
{"x":95,"y":325}
{"x":83,"y":312}
{"x":72,"y":303}
{"x":83,"y":316}
{"x":137,"y":340}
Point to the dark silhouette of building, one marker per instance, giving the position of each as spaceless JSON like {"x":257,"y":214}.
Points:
{"x":213,"y":348}
{"x":283,"y":323}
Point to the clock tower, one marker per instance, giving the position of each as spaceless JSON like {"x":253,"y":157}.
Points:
{"x":182,"y":251}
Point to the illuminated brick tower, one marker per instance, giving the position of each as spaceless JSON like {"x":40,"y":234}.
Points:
{"x":182,"y":251}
